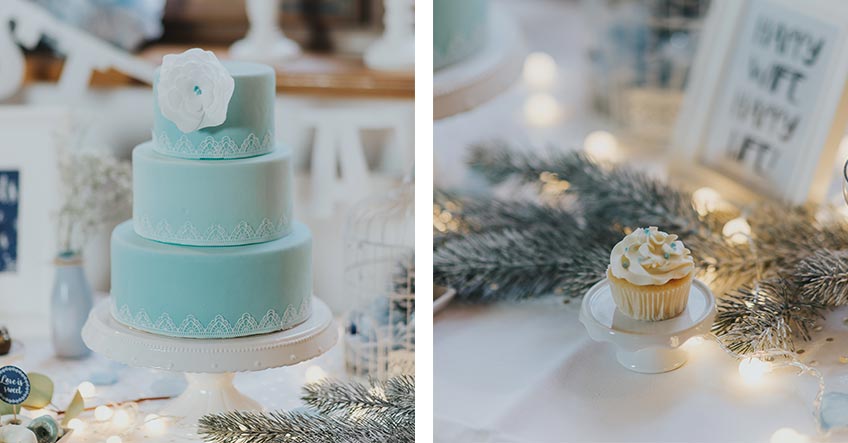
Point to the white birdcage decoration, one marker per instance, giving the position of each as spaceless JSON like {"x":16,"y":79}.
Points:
{"x":380,"y":276}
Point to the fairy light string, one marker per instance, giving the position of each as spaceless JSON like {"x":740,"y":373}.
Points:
{"x":775,"y":358}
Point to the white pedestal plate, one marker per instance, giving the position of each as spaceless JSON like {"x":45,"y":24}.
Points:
{"x":645,"y":346}
{"x":209,"y":364}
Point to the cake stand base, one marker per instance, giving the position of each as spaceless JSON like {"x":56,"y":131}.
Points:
{"x":210,"y":364}
{"x":645,"y":346}
{"x":208,"y":394}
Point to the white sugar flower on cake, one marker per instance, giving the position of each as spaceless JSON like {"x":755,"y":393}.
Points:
{"x":194,"y":90}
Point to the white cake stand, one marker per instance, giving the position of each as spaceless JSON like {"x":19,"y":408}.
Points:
{"x":645,"y":346}
{"x":475,"y":80}
{"x":210,"y":364}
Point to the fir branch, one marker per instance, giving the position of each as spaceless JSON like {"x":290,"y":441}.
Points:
{"x":823,"y":277}
{"x":278,"y":427}
{"x":513,"y":264}
{"x":395,"y":397}
{"x":765,"y":316}
{"x":618,"y":195}
{"x":343,"y":412}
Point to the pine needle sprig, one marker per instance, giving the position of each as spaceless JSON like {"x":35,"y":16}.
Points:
{"x":297,"y":426}
{"x":514,"y":264}
{"x":823,"y":277}
{"x":619,"y":194}
{"x":346,"y":412}
{"x":765,"y":316}
{"x":395,"y":397}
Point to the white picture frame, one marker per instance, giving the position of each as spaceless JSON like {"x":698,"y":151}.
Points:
{"x":28,"y":145}
{"x":736,"y":134}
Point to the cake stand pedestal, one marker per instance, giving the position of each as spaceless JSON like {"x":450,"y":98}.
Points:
{"x":209,"y":364}
{"x":645,"y":346}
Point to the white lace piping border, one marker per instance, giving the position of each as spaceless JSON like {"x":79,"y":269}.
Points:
{"x":243,"y":233}
{"x":213,"y":148}
{"x":218,"y":327}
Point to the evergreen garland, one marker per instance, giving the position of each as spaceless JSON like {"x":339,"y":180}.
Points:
{"x":338,"y":413}
{"x":770,"y":291}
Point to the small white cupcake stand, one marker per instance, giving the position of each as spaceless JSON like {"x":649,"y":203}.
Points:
{"x":209,"y":364}
{"x":644,"y":346}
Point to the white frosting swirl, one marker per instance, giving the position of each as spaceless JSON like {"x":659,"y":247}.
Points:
{"x":648,"y":256}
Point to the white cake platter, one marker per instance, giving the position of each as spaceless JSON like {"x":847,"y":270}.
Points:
{"x":210,"y":364}
{"x":645,"y":346}
{"x":471,"y":82}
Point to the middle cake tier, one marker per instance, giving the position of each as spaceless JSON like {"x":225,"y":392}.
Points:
{"x":211,"y":202}
{"x":234,"y":291}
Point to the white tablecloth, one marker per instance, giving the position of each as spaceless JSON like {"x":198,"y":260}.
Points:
{"x":528,"y":372}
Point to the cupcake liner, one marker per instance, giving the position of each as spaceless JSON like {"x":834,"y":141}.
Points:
{"x":651,"y":303}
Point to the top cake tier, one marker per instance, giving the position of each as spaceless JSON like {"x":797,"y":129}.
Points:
{"x":249,"y":126}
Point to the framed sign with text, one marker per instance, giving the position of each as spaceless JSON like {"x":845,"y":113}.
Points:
{"x":765,"y":105}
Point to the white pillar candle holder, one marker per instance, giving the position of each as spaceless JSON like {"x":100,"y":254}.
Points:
{"x":395,"y":49}
{"x":265,"y":41}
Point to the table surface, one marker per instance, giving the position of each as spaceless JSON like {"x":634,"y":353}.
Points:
{"x":528,"y":372}
{"x":325,"y":75}
{"x":274,"y":389}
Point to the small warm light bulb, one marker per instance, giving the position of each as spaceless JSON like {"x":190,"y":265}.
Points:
{"x":737,"y":230}
{"x":87,"y":389}
{"x":314,"y":374}
{"x":103,"y":413}
{"x":602,"y":146}
{"x":752,"y":370}
{"x":706,"y":200}
{"x":788,"y":435}
{"x":541,"y":110}
{"x":540,"y":70}
{"x":121,"y":418}
{"x":76,"y":424}
{"x":114,"y":439}
{"x":154,"y":424}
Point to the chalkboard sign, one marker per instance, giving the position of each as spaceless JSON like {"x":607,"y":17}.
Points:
{"x":765,"y":105}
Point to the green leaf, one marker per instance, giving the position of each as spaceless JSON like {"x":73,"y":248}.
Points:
{"x":74,"y":409}
{"x":41,"y":391}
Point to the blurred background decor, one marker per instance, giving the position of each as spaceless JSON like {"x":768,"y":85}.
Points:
{"x":379,"y":276}
{"x":96,"y":193}
{"x":640,"y":55}
{"x":264,"y":41}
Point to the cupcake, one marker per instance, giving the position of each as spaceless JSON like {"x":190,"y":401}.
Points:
{"x":650,"y":274}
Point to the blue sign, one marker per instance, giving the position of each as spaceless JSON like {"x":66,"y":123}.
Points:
{"x":14,"y":385}
{"x":9,"y":196}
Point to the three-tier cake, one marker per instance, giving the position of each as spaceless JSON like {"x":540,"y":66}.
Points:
{"x":212,"y":250}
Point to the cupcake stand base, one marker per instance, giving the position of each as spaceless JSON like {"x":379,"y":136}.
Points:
{"x":643,"y":346}
{"x":210,"y":364}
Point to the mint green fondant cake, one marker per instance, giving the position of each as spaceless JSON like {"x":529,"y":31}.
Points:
{"x":460,"y":28}
{"x":249,"y":128}
{"x":205,"y":202}
{"x":211,"y":292}
{"x":212,"y":250}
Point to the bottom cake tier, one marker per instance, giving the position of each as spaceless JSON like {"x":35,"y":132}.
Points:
{"x":211,"y":292}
